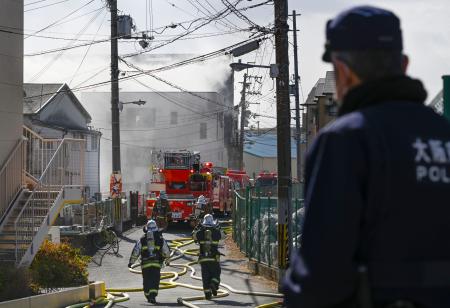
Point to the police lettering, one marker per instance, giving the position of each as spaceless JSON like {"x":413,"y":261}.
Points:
{"x":432,"y":159}
{"x":433,"y":174}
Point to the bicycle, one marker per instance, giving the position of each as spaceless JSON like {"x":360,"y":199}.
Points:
{"x":105,"y":239}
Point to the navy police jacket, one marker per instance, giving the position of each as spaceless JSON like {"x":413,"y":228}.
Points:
{"x":377,"y":196}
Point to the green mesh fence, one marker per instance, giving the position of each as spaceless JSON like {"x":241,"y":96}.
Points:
{"x":255,"y":221}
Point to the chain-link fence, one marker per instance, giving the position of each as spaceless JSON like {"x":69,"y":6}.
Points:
{"x":255,"y":223}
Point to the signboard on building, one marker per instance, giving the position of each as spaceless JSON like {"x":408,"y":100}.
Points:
{"x":115,"y":185}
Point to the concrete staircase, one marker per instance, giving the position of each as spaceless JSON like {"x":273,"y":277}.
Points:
{"x":9,"y":238}
{"x":27,"y":220}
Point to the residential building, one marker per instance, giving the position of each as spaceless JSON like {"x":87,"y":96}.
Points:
{"x":11,"y":63}
{"x":200,"y":121}
{"x":54,"y":112}
{"x":28,"y":203}
{"x":260,"y":154}
{"x":321,"y":108}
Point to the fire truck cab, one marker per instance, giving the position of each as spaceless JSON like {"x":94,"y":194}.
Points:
{"x":239,"y":179}
{"x":178,"y":175}
{"x":266,"y":183}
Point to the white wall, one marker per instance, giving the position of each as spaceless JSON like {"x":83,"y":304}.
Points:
{"x":91,"y":167}
{"x":11,"y":76}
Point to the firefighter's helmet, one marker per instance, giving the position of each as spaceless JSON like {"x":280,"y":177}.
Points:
{"x":162,"y":195}
{"x":152,"y":226}
{"x":201,"y":200}
{"x":208,"y":221}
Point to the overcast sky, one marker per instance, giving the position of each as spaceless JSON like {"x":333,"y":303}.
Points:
{"x":425,"y":27}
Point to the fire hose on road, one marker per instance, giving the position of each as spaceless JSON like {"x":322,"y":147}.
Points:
{"x":115,"y":295}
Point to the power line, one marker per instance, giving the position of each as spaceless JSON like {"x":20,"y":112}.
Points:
{"x":214,"y":17}
{"x":56,"y":57}
{"x":174,"y":85}
{"x":178,"y":37}
{"x":87,"y":51}
{"x":171,"y":100}
{"x":62,"y":18}
{"x":222,"y":22}
{"x":90,"y":42}
{"x":232,"y":7}
{"x":226,"y":19}
{"x":39,"y":1}
{"x":44,"y":6}
{"x":196,"y":59}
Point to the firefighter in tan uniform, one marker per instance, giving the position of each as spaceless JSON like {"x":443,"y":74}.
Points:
{"x":207,"y":235}
{"x":153,"y":251}
{"x":161,"y":211}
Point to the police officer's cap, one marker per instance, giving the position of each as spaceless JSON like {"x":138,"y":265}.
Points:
{"x":363,"y":28}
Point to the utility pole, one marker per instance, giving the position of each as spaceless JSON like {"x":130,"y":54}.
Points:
{"x":283,"y":137}
{"x":242,"y":130}
{"x":297,"y":101}
{"x":115,"y":121}
{"x":115,"y":90}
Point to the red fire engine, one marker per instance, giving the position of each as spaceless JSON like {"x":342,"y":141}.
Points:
{"x":239,"y":179}
{"x":179,"y":175}
{"x":220,"y":194}
{"x":266,"y":183}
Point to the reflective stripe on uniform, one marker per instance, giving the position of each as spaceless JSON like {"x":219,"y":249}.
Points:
{"x":209,"y":242}
{"x":155,"y":248}
{"x":147,"y":265}
{"x":154,"y":291}
{"x":215,"y":280}
{"x":207,"y":260}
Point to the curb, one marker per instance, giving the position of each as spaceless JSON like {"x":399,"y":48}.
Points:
{"x":263,"y":270}
{"x":59,"y":299}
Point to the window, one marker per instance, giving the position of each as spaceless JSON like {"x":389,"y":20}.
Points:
{"x":139,"y":117}
{"x":177,"y":185}
{"x":94,"y":142}
{"x":203,"y":134}
{"x":174,"y":117}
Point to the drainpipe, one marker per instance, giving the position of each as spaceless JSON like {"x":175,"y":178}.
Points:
{"x":446,"y":96}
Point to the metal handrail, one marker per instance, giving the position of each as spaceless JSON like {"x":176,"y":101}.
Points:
{"x":11,"y":177}
{"x":39,"y":151}
{"x":37,"y":184}
{"x":61,"y":171}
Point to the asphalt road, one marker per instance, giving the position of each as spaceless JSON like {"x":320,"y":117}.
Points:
{"x":115,"y":273}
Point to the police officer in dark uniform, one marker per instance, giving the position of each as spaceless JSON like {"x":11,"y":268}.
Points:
{"x":153,"y":251}
{"x":207,"y":235}
{"x":161,"y":211}
{"x":377,"y":229}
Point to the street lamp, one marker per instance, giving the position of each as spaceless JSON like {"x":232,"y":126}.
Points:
{"x":139,"y":102}
{"x":239,"y":66}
